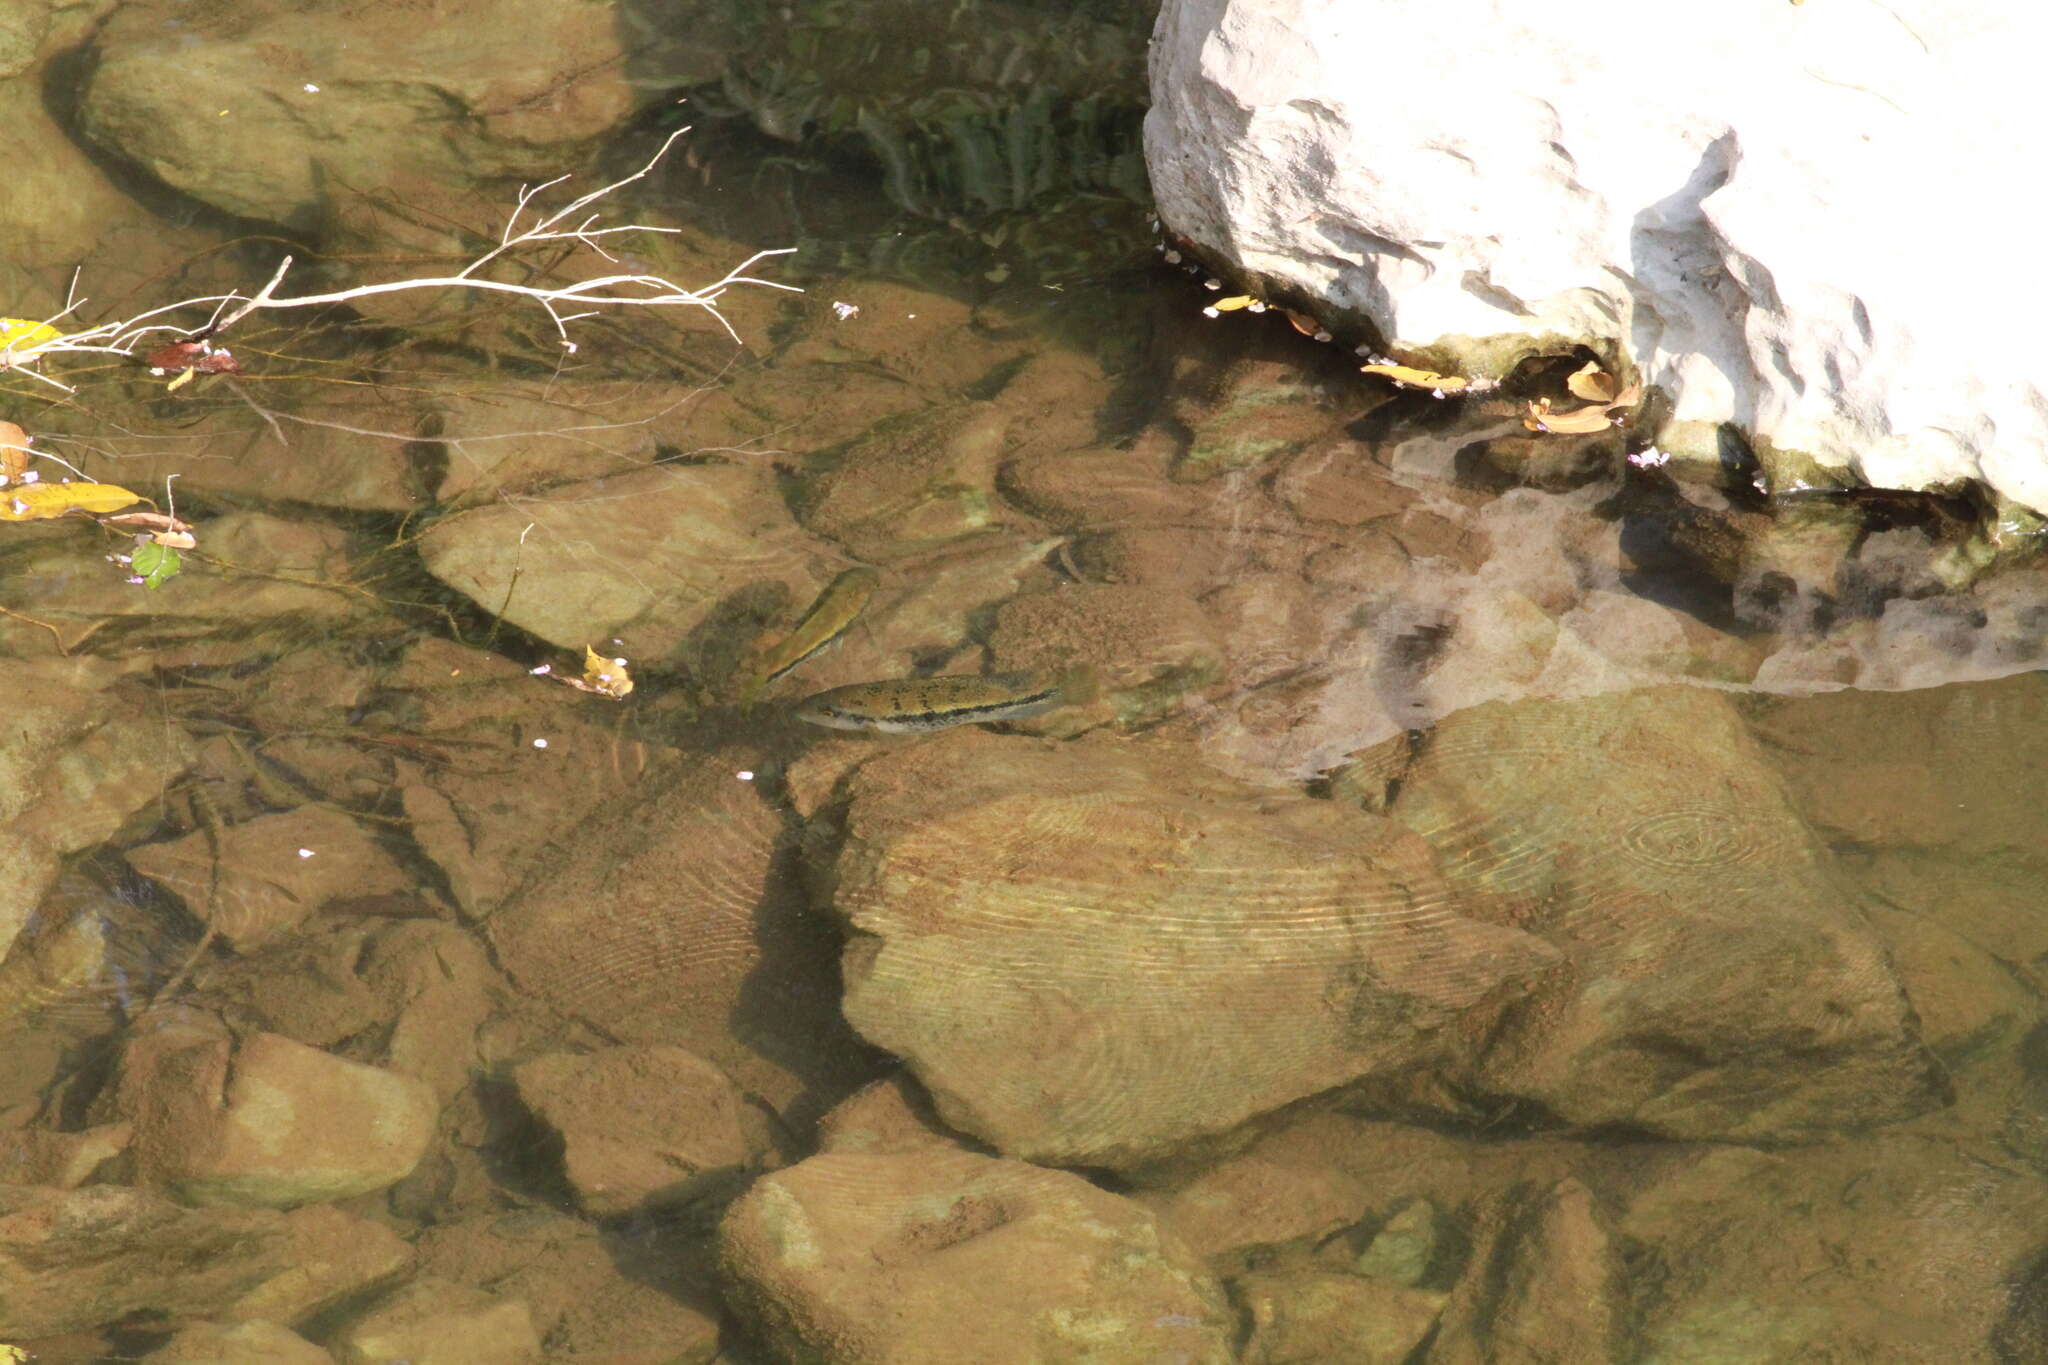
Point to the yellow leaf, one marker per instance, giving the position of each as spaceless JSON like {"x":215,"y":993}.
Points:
{"x":1593,"y":384}
{"x":41,"y":501}
{"x":1232,"y":304}
{"x":607,"y":677}
{"x":24,"y":334}
{"x":1410,"y":378}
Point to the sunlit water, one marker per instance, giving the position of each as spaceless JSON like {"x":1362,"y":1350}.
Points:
{"x":1385,"y":716}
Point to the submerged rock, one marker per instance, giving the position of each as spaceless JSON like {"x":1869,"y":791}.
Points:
{"x":334,"y":1256}
{"x":246,"y":1343}
{"x":1282,"y":1192}
{"x":81,"y":755}
{"x":1584,"y":185}
{"x":914,"y":484}
{"x":263,"y":1121}
{"x":669,"y":916}
{"x":255,"y":881}
{"x":71,"y":1260}
{"x":1549,"y":1287}
{"x":432,"y":1322}
{"x":638,"y":1125}
{"x":949,"y":1256}
{"x":594,"y":1296}
{"x":303,"y":100}
{"x":649,"y":556}
{"x":1315,"y":1317}
{"x":1096,"y":954}
{"x":987,"y":105}
{"x":1725,"y":983}
{"x":892,"y":1115}
{"x":40,"y":1156}
{"x":1405,"y":1247}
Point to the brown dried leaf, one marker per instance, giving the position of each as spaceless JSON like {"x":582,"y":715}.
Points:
{"x":1593,"y":384}
{"x":1580,"y":423}
{"x":1410,"y":378}
{"x":14,"y":451}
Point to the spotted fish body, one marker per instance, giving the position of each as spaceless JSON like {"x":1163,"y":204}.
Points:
{"x":905,"y":706}
{"x":829,"y":616}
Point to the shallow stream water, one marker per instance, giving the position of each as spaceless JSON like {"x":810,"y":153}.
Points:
{"x":1484,"y":897}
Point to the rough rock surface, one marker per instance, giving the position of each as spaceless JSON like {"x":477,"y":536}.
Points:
{"x":38,"y":1156}
{"x":22,"y":29}
{"x":1285,"y":1190}
{"x":1312,"y":1318}
{"x":1725,"y":982}
{"x":648,"y":556}
{"x":1480,"y":193}
{"x":331,"y":1256}
{"x":637,"y":1124}
{"x":670,"y":916}
{"x":892,"y":1115}
{"x":80,"y":755}
{"x":62,"y":207}
{"x":255,"y":881}
{"x":432,"y":1322}
{"x":72,"y":1260}
{"x":913,"y":485}
{"x":304,"y":100}
{"x":247,"y":1343}
{"x":263,"y":1120}
{"x":1092,"y":954}
{"x":937,"y":1256}
{"x":1549,"y":1287}
{"x":595,"y":1298}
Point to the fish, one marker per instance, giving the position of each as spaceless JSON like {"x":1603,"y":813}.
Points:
{"x":909,"y":706}
{"x":836,"y":608}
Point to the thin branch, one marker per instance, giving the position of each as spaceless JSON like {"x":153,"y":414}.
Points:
{"x":563,"y":304}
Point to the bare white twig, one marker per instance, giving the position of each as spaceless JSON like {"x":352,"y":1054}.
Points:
{"x":621,"y":290}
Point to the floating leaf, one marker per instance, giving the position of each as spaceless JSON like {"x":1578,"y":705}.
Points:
{"x":14,"y":452}
{"x":1593,"y":384}
{"x":1579,"y":423}
{"x":1302,"y":322}
{"x":155,"y":564}
{"x":187,"y":358}
{"x":25,"y":334}
{"x":1410,"y":378}
{"x":164,"y":530}
{"x":1233,"y":303}
{"x":606,"y":677}
{"x":41,"y":501}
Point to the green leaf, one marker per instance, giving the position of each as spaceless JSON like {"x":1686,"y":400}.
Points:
{"x":155,"y":564}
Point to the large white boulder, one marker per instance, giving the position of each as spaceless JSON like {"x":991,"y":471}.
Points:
{"x":1808,"y":220}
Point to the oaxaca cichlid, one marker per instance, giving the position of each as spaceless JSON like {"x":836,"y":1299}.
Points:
{"x":836,"y":608}
{"x":915,"y":705}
